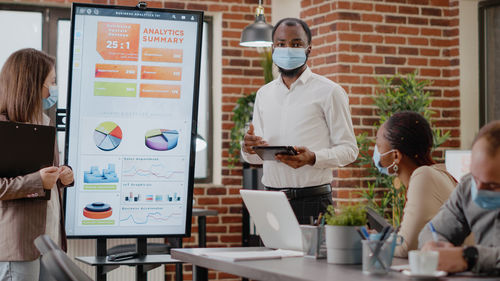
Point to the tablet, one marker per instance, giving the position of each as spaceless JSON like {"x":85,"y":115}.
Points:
{"x":268,"y":152}
{"x":375,"y":221}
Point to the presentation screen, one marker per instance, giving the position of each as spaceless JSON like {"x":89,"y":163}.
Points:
{"x":132,"y":111}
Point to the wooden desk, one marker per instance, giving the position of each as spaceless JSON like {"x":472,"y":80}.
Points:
{"x":288,"y":269}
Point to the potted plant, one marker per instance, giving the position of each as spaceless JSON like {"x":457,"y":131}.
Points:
{"x":343,"y":243}
{"x":242,"y":112}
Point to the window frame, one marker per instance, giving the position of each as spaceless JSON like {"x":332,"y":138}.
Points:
{"x":50,"y":17}
{"x":482,"y":8}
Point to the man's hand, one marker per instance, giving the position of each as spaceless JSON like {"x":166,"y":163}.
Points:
{"x":433,"y":245}
{"x":251,"y":139}
{"x":304,"y":157}
{"x":450,"y":257}
{"x":66,"y":175}
{"x":49,"y":177}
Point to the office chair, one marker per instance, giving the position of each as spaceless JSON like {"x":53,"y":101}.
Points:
{"x":57,"y":263}
{"x":44,"y":244}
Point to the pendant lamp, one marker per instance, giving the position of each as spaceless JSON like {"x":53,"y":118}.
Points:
{"x":259,"y":33}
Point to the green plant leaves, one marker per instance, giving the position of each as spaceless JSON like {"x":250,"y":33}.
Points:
{"x":397,"y":93}
{"x":242,"y":112}
{"x":350,"y":215}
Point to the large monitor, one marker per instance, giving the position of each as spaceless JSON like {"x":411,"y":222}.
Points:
{"x":132,"y":111}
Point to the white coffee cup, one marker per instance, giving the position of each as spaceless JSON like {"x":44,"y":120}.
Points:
{"x":423,"y":262}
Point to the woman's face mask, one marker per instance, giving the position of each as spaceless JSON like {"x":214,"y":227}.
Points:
{"x":289,"y":58}
{"x":52,"y":99}
{"x":376,"y":160}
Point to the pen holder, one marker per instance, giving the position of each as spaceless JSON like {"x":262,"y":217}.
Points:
{"x":377,"y":256}
{"x":313,"y":241}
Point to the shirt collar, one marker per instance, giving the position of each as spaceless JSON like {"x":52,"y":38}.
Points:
{"x":302,"y":78}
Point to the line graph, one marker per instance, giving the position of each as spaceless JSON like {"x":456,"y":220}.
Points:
{"x":154,"y":169}
{"x":170,"y":215}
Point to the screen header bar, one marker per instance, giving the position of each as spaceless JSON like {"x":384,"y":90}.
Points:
{"x":93,"y":11}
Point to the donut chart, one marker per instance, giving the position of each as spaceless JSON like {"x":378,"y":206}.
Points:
{"x":97,"y":210}
{"x":107,"y":136}
{"x":161,"y":139}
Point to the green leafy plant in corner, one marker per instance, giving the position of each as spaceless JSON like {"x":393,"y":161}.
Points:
{"x":242,"y":112}
{"x":348,"y":215}
{"x":395,"y":94}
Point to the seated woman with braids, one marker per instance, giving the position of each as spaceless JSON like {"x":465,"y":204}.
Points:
{"x":403,"y":149}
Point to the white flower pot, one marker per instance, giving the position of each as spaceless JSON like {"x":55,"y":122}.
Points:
{"x":343,"y":245}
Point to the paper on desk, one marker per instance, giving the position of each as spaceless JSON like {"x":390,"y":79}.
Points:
{"x":254,"y":255}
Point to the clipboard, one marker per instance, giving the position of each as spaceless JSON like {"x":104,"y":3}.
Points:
{"x":268,"y":152}
{"x":26,"y":148}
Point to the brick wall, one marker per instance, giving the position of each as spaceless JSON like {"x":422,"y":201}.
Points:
{"x":356,"y":41}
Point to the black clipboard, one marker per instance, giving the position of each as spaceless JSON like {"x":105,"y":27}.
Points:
{"x":26,"y":148}
{"x":268,"y":152}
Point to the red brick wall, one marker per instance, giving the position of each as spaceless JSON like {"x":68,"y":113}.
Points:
{"x":356,"y":41}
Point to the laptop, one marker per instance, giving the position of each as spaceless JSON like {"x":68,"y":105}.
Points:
{"x":274,"y":219}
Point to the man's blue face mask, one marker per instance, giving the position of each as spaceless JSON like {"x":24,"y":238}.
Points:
{"x":52,"y":99}
{"x":289,"y":58}
{"x":485,"y":199}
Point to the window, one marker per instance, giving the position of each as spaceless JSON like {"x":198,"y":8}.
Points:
{"x":48,"y":29}
{"x":489,"y":61}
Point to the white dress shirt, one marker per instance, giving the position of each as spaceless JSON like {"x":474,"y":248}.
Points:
{"x":313,"y":113}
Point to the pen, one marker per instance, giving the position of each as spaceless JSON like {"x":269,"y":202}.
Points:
{"x":319,"y":218}
{"x":360,"y":233}
{"x":365,"y":233}
{"x":433,"y":231}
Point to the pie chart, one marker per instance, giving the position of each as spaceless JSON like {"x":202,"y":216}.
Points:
{"x":161,"y":139}
{"x":107,"y":136}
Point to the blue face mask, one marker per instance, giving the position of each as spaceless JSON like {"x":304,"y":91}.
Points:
{"x":376,"y":160}
{"x":52,"y":99}
{"x":289,"y":58}
{"x":485,"y":199}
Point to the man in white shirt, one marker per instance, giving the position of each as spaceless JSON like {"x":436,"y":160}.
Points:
{"x":304,"y":110}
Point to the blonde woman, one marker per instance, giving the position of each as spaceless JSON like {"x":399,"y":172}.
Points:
{"x":27,"y":86}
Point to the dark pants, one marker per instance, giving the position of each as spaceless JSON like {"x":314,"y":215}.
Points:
{"x":309,"y":207}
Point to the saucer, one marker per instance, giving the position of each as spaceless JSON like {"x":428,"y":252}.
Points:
{"x":434,"y":275}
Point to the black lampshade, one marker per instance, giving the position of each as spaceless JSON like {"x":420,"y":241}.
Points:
{"x":259,"y":33}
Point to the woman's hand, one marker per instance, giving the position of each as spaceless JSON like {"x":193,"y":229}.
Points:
{"x":66,"y":175}
{"x":49,"y":177}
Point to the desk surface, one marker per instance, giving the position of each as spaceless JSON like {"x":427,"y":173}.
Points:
{"x":293,"y":269}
